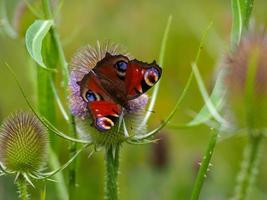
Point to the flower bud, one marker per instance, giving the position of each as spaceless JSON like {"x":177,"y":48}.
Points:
{"x":23,"y":143}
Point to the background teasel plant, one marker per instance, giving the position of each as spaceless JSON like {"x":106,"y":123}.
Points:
{"x":246,"y":83}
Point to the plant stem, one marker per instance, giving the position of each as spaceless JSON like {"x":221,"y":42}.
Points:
{"x":65,"y":74}
{"x":73,"y":166}
{"x":22,"y":188}
{"x":249,"y":167}
{"x":248,"y":7}
{"x":204,"y":167}
{"x":61,"y":188}
{"x":43,"y":192}
{"x":112,"y":169}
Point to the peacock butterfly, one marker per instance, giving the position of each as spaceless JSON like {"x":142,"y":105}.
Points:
{"x":112,"y":83}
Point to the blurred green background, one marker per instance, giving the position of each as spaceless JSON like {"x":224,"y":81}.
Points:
{"x":166,"y":170}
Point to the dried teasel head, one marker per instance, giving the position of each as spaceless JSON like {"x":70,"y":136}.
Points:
{"x":23,"y":143}
{"x":246,"y":80}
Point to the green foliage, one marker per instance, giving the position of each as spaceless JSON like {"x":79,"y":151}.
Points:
{"x":241,"y":11}
{"x":217,"y":98}
{"x":34,"y":39}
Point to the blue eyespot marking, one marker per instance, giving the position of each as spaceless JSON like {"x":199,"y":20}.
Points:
{"x":91,"y":96}
{"x":121,"y":66}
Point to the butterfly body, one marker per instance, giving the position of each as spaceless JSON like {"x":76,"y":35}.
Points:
{"x":112,"y":83}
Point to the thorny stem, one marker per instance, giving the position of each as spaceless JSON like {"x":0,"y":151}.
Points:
{"x":64,"y":65}
{"x":22,"y":188}
{"x":249,"y":167}
{"x":205,"y":163}
{"x":112,"y":169}
{"x":72,"y":171}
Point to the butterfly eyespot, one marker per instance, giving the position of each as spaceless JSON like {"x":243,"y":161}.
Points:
{"x":151,"y":76}
{"x":121,"y":67}
{"x":91,"y":96}
{"x":104,"y":123}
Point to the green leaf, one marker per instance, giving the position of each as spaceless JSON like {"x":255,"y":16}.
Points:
{"x":161,"y":59}
{"x":54,"y":172}
{"x":217,"y":99}
{"x":34,"y":40}
{"x":208,"y":103}
{"x":58,"y":100}
{"x":237,"y":23}
{"x":241,"y":12}
{"x":246,"y":7}
{"x":4,"y":23}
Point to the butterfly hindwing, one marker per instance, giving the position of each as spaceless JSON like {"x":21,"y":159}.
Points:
{"x":103,"y":109}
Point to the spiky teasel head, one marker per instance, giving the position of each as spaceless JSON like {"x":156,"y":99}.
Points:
{"x":128,"y":124}
{"x":23,"y":143}
{"x":247,"y":80}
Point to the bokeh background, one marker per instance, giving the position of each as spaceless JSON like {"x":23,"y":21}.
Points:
{"x":156,"y":171}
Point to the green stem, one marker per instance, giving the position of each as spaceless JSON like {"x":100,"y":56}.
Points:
{"x":61,"y":188}
{"x":22,"y":188}
{"x":204,"y":167}
{"x":249,"y":167}
{"x":43,"y":192}
{"x":112,"y":169}
{"x":73,"y":166}
{"x":247,"y":12}
{"x":65,"y":74}
{"x":47,"y":9}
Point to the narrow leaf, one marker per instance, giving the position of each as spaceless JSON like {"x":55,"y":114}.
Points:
{"x":50,"y":174}
{"x":217,"y":99}
{"x":161,"y":59}
{"x":210,"y":106}
{"x":237,"y":23}
{"x":59,"y":102}
{"x":4,"y":23}
{"x":34,"y":40}
{"x":246,"y":9}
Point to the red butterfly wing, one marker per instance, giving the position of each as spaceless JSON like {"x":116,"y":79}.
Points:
{"x":103,"y":109}
{"x":126,"y":79}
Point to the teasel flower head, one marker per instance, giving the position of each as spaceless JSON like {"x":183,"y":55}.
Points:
{"x":246,"y":80}
{"x":132,"y":116}
{"x":23,"y":144}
